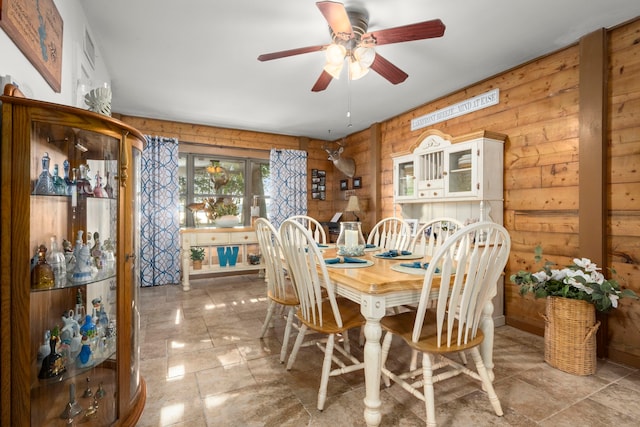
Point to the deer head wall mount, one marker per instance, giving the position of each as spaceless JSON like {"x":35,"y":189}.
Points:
{"x":346,"y":165}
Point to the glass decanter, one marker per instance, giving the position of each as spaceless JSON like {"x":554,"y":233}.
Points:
{"x":58,"y":183}
{"x":350,"y":241}
{"x":58,"y":263}
{"x":83,"y":184}
{"x":44,"y":185}
{"x":42,"y":273}
{"x":68,"y":181}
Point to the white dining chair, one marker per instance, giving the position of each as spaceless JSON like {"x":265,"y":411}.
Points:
{"x":428,"y":238}
{"x":280,"y":290}
{"x":390,"y":233}
{"x":463,"y":273}
{"x":313,"y":225}
{"x":321,"y":312}
{"x":430,"y":235}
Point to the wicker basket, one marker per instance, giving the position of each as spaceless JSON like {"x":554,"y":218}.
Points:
{"x":570,"y":335}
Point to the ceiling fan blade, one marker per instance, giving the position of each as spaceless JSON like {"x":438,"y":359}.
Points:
{"x":322,"y":82}
{"x":337,"y":18}
{"x":405,"y":33}
{"x":290,"y":52}
{"x":387,"y":70}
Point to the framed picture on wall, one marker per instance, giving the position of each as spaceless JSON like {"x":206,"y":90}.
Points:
{"x":357,"y":182}
{"x":344,"y":184}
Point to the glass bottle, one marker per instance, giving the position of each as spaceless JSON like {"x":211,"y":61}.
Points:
{"x":58,"y":263}
{"x":350,"y":241}
{"x":44,"y":184}
{"x":98,"y":191}
{"x":96,"y":252}
{"x":83,"y":184}
{"x":58,"y":183}
{"x":108,"y":189}
{"x":68,"y":182}
{"x":42,"y":273}
{"x":108,"y":256}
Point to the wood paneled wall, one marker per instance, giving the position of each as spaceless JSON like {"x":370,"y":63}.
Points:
{"x":539,"y":110}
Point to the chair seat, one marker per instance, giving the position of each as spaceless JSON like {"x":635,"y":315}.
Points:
{"x":349,"y":311}
{"x":402,"y":326}
{"x":290,"y":297}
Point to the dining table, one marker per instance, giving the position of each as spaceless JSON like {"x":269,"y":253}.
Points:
{"x":377,"y":286}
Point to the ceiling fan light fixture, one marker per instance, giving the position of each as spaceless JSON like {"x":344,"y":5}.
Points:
{"x":365,"y":56}
{"x":335,"y":54}
{"x":356,"y":70}
{"x":334,"y":70}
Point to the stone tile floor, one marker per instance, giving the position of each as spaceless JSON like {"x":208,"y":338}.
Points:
{"x":204,"y":365}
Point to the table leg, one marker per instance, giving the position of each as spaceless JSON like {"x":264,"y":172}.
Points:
{"x":185,"y":268}
{"x":486,"y":348}
{"x":372,"y":308}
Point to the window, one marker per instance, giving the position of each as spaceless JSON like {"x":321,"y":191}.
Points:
{"x":205,"y":180}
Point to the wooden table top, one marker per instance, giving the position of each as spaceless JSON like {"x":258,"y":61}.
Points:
{"x":376,"y":279}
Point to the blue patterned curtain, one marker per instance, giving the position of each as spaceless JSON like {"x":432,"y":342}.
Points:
{"x":288,"y":169}
{"x":160,"y":222}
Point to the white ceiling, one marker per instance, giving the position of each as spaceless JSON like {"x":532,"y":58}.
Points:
{"x":195,"y":61}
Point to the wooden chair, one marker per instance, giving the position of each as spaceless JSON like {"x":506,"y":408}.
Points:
{"x":390,"y":233}
{"x":430,"y":236}
{"x":331,"y":316}
{"x":466,"y":268}
{"x":280,"y":290}
{"x":315,"y":228}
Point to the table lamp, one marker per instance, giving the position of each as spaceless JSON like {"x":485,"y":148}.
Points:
{"x":353,"y":206}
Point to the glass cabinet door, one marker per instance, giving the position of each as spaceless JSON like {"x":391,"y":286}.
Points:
{"x":404,"y":178}
{"x":461,"y":165}
{"x":73,"y":236}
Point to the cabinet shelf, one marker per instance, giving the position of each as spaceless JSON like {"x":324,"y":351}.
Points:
{"x":70,"y":373}
{"x":70,"y":283}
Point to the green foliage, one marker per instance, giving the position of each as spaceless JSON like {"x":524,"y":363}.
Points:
{"x":581,"y":280}
{"x":222,"y":209}
{"x":197,"y":253}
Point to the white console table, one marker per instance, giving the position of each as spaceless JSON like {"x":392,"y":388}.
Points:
{"x":210,"y":239}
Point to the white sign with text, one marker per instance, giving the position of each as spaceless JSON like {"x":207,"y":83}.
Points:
{"x":470,"y":105}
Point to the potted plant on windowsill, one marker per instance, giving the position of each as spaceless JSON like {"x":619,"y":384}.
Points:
{"x":573,"y":294}
{"x":197,"y":256}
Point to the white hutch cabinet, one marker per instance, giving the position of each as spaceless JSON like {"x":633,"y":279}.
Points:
{"x":458,"y":177}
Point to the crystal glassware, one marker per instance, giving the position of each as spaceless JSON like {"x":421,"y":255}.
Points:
{"x":44,"y":184}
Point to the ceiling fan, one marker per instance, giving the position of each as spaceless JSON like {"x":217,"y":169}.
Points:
{"x":352,"y":42}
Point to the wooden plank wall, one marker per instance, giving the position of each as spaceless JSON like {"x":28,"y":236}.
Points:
{"x":539,"y":111}
{"x":623,"y":226}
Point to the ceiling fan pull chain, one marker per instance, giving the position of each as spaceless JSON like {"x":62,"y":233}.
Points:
{"x":349,"y":124}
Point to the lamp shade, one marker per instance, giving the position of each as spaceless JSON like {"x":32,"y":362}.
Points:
{"x":353,"y":205}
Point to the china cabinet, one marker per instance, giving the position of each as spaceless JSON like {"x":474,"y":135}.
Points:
{"x":226,"y":250}
{"x":461,"y":177}
{"x":70,"y":277}
{"x":441,"y":169}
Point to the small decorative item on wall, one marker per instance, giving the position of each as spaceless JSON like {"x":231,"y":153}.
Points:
{"x":344,"y":184}
{"x":357,"y":182}
{"x":318,"y":184}
{"x":36,"y":29}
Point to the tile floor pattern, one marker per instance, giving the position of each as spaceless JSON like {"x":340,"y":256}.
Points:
{"x":205,"y":366}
